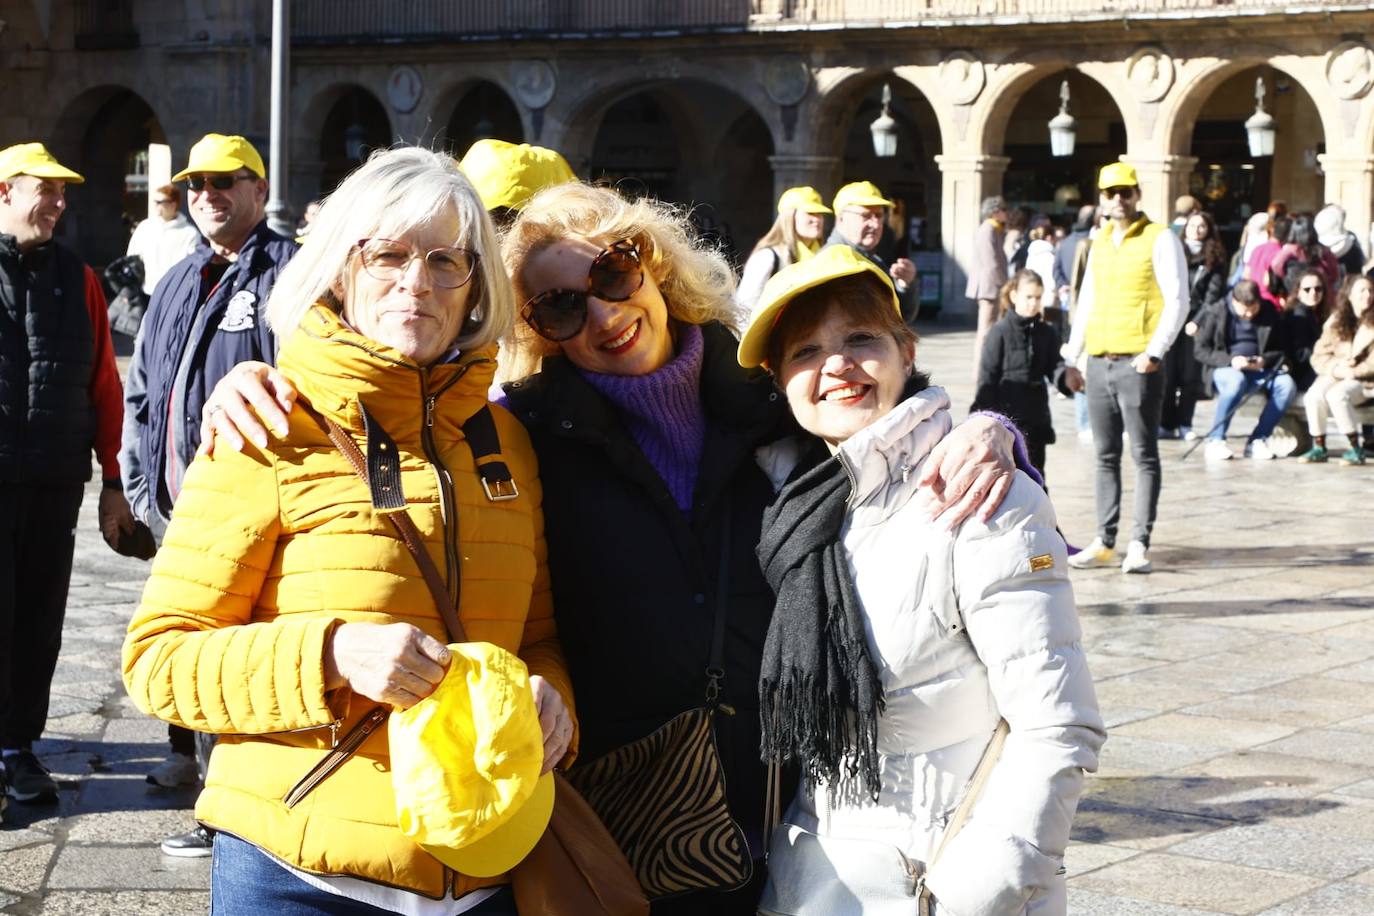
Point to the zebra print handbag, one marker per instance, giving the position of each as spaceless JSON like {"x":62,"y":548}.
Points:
{"x":663,"y":797}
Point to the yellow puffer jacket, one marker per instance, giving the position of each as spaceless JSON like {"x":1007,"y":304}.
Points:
{"x":269,"y":550}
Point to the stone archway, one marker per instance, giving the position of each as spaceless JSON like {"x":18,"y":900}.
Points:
{"x":104,"y":134}
{"x":484,"y":111}
{"x":348,"y":123}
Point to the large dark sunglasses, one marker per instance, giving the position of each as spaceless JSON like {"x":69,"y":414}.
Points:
{"x":197,"y":183}
{"x":386,"y":259}
{"x":615,"y":276}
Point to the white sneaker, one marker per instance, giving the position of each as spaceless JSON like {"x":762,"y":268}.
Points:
{"x":1137,"y":559}
{"x":176,"y":770}
{"x":1093,"y":556}
{"x":1217,"y":450}
{"x":1188,"y":434}
{"x":1259,"y":450}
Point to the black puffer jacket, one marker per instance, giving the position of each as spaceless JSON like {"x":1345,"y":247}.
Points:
{"x":1020,"y":356}
{"x":635,"y":578}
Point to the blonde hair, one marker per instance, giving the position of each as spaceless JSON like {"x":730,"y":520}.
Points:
{"x":695,"y":279}
{"x":782,"y":233}
{"x":394,"y":192}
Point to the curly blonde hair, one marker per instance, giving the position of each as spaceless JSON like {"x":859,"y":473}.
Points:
{"x":695,"y":279}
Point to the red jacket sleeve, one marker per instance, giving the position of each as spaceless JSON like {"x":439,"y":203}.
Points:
{"x":107,"y":394}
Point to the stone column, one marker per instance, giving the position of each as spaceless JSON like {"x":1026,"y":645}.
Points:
{"x":791,"y":170}
{"x":965,"y":181}
{"x":1163,"y":179}
{"x":1350,"y":183}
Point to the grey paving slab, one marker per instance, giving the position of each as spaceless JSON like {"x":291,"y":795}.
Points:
{"x":1327,"y":744}
{"x":1334,"y":900}
{"x":1189,"y":882}
{"x":123,"y":903}
{"x":81,"y":867}
{"x":26,"y":869}
{"x":1090,"y":903}
{"x":1282,"y":849}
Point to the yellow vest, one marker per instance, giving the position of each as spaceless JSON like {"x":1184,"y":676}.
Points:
{"x":1127,"y":300}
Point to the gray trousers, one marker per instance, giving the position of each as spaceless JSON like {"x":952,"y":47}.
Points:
{"x":1121,"y":399}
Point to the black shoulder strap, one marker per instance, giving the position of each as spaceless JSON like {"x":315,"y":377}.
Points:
{"x":715,"y":668}
{"x":480,"y":431}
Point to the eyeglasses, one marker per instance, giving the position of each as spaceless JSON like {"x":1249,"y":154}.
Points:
{"x":1312,"y":289}
{"x":385,"y":259}
{"x":1126,"y":192}
{"x":197,"y":183}
{"x":615,"y":275}
{"x":864,"y":216}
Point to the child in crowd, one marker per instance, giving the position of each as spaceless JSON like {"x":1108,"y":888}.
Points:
{"x":1245,"y":348}
{"x":1344,"y":362}
{"x":1020,"y":356}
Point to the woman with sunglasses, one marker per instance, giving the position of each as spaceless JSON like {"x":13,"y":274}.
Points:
{"x":285,"y":613}
{"x":645,"y":427}
{"x":1344,"y":362}
{"x":1304,"y":312}
{"x":896,"y":648}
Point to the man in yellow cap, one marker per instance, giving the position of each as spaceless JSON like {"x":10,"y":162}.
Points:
{"x":205,"y":317}
{"x":59,"y":399}
{"x":1132,"y":305}
{"x":861,"y":212}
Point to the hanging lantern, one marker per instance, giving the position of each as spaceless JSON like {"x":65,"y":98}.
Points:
{"x":884,"y":128}
{"x":1063,"y":127}
{"x":1260,"y":128}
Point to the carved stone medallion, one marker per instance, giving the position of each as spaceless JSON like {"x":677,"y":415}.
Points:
{"x":1150,"y":72}
{"x":962,"y":77}
{"x":786,"y":80}
{"x":1350,"y":70}
{"x":534,"y":83}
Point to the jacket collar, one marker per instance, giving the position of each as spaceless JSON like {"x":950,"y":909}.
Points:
{"x":252,"y":256}
{"x":336,"y":369}
{"x":1134,"y":229}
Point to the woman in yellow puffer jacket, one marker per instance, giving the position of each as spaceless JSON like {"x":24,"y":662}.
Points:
{"x":282,"y":608}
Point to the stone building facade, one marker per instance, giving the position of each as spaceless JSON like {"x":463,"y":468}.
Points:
{"x":727,"y":102}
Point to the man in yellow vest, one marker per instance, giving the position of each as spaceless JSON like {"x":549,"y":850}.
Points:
{"x":1131,"y":307}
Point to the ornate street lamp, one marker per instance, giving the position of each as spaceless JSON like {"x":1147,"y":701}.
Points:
{"x":1063,"y":127}
{"x":884,"y":128}
{"x":1261,"y":127}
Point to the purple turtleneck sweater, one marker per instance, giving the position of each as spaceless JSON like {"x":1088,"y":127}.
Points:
{"x":663,"y":412}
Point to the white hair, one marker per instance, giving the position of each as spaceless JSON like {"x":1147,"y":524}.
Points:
{"x":394,"y":192}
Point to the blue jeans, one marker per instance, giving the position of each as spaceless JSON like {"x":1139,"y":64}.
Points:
{"x":1234,"y":384}
{"x":244,"y":881}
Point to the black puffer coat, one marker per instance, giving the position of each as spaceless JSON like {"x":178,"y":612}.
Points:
{"x":1020,"y":356}
{"x":635,"y":578}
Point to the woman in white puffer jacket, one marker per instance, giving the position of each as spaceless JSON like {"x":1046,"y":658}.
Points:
{"x":896,"y":646}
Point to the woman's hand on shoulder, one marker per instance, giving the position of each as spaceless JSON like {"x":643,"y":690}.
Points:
{"x":393,"y":663}
{"x":554,"y":720}
{"x":968,"y":472}
{"x":245,"y":402}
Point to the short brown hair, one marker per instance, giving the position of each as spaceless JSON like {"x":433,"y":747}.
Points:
{"x":1246,"y":292}
{"x":169,"y":190}
{"x":861,"y":296}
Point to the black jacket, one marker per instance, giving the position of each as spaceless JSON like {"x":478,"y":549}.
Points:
{"x":635,"y":578}
{"x":1207,"y":286}
{"x":1212,"y":348}
{"x":1021,"y":355}
{"x":47,"y":360}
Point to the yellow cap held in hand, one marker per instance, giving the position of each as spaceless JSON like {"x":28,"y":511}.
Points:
{"x":222,"y":153}
{"x":465,"y":764}
{"x":34,"y":159}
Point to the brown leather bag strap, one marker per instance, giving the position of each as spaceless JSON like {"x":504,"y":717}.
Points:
{"x":403,"y":524}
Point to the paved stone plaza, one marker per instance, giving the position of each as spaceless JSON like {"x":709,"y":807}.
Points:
{"x":1238,"y":682}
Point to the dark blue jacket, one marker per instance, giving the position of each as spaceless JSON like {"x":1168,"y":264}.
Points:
{"x":188,"y":349}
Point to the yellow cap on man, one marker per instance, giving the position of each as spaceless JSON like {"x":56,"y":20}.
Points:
{"x":222,"y":153}
{"x":860,"y":194}
{"x":1117,"y":175}
{"x":34,"y":159}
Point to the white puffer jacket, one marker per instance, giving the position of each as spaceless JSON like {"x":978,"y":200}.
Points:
{"x":965,"y":627}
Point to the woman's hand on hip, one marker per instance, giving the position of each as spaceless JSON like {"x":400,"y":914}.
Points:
{"x":969,"y":471}
{"x":245,"y":402}
{"x":393,"y":663}
{"x":554,"y":721}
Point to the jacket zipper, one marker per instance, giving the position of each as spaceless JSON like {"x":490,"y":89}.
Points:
{"x":336,"y":756}
{"x":447,"y":502}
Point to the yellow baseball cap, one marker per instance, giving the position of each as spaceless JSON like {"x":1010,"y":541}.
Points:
{"x":860,"y":194}
{"x":805,"y":199}
{"x":1117,"y":175}
{"x":34,"y":159}
{"x":465,"y":764}
{"x":222,"y":153}
{"x":509,"y":174}
{"x":833,"y":262}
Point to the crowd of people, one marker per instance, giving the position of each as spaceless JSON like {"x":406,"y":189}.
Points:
{"x":488,"y":440}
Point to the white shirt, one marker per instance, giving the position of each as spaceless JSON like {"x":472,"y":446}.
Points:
{"x":161,"y":244}
{"x":1171,"y":274}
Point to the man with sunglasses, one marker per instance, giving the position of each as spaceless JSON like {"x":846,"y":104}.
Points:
{"x":861,"y":212}
{"x":204,"y":318}
{"x":164,"y":238}
{"x":1132,"y":305}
